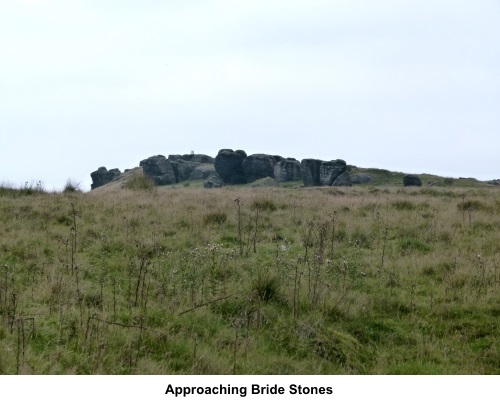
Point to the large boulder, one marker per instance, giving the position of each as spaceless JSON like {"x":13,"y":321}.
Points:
{"x":258,"y":166}
{"x":320,"y":173}
{"x":343,"y":180}
{"x":213,"y":181}
{"x":159,"y":169}
{"x":103,"y":176}
{"x":174,"y":158}
{"x":361,"y":178}
{"x":229,"y":166}
{"x":329,"y":171}
{"x":183,"y":169}
{"x":202,"y":171}
{"x":287,"y":170}
{"x":411,"y":180}
{"x":310,"y":172}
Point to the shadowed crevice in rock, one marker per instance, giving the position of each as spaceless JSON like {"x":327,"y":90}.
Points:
{"x":330,"y":171}
{"x":311,"y":172}
{"x":287,"y":170}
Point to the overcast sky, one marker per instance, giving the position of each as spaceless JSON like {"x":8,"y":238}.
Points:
{"x":406,"y":85}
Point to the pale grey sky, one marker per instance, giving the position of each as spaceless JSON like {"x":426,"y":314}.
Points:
{"x":405,"y":85}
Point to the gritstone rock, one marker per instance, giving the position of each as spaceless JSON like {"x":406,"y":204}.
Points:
{"x":258,"y":166}
{"x":410,"y":180}
{"x":287,"y":170}
{"x":342,"y":180}
{"x":213,"y":181}
{"x":198,"y":158}
{"x":361,"y":178}
{"x":183,"y":169}
{"x":329,"y":171}
{"x":159,"y":169}
{"x":202,"y":171}
{"x":229,"y":166}
{"x":310,"y":172}
{"x":103,"y":176}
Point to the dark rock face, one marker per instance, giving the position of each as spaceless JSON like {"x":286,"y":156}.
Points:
{"x":103,"y":176}
{"x":159,"y":169}
{"x":236,"y":167}
{"x":329,"y":171}
{"x":229,"y":166}
{"x":202,"y":171}
{"x":410,"y":180}
{"x":177,"y":168}
{"x":361,"y":178}
{"x":310,"y":172}
{"x":258,"y":166}
{"x":287,"y":170}
{"x":319,"y":173}
{"x":343,"y":180}
{"x":183,"y":169}
{"x":198,"y":158}
{"x":213,"y":181}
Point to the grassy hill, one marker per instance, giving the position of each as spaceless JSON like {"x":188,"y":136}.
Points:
{"x":372,"y":279}
{"x":382,"y":177}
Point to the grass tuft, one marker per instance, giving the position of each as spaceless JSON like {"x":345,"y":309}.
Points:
{"x":140,"y":182}
{"x":72,"y":186}
{"x":263,"y":204}
{"x":215,"y":218}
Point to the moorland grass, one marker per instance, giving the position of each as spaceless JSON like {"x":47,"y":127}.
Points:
{"x":285,"y":280}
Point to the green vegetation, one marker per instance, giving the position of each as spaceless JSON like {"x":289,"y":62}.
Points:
{"x":280,"y":280}
{"x":382,"y":177}
{"x":71,"y":186}
{"x":139,"y":181}
{"x":27,"y":189}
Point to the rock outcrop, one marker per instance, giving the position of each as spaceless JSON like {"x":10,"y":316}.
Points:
{"x":329,"y":171}
{"x":176,"y":169}
{"x":342,"y":180}
{"x":287,"y":170}
{"x":229,"y":166}
{"x":310,"y":172}
{"x":361,"y":178}
{"x":198,"y":158}
{"x":411,"y":180}
{"x":235,"y":167}
{"x":258,"y":166}
{"x":159,"y":169}
{"x":213,"y":181}
{"x":103,"y":176}
{"x":203,"y":171}
{"x":183,"y":169}
{"x":320,"y":173}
